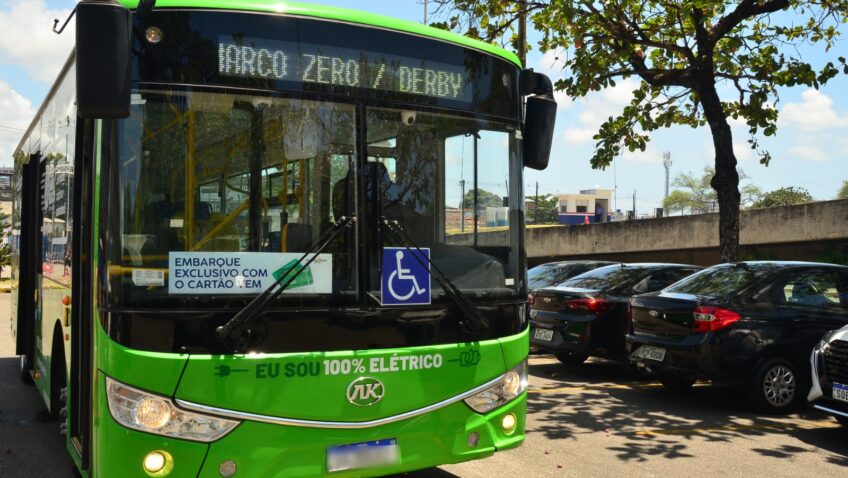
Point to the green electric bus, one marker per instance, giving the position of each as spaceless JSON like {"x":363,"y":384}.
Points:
{"x":261,"y":238}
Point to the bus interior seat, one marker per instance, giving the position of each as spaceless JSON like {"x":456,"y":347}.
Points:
{"x":298,"y":238}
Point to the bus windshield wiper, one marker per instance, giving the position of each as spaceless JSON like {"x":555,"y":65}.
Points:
{"x":235,"y":334}
{"x":476,"y":321}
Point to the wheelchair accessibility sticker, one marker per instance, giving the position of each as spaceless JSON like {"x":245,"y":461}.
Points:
{"x":406,"y":276}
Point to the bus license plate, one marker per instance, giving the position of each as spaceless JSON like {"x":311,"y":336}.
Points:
{"x":363,"y":455}
{"x":651,"y":353}
{"x":840,"y":392}
{"x":543,"y":334}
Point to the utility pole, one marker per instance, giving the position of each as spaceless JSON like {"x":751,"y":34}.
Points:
{"x":462,"y":207}
{"x":634,"y":204}
{"x":667,"y":165}
{"x":522,"y":32}
{"x":425,"y":12}
{"x":536,"y":212}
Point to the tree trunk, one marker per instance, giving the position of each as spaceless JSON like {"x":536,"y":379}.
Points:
{"x":726,"y":179}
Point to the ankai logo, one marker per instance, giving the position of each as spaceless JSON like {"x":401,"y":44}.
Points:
{"x":365,"y":391}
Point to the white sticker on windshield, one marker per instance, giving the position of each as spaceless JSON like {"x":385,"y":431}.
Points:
{"x":148,"y":277}
{"x":246,"y":272}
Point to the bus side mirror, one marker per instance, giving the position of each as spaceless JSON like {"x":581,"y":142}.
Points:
{"x":103,"y":59}
{"x":539,"y":119}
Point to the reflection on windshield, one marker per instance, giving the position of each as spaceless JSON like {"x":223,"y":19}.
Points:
{"x":218,"y":194}
{"x":207,"y":177}
{"x":604,"y":278}
{"x":426,"y":178}
{"x":721,"y":281}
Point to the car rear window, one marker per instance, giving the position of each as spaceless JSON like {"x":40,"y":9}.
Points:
{"x":721,"y":281}
{"x":605,"y":278}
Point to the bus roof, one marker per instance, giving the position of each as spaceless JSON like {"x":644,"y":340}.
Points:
{"x":335,"y":13}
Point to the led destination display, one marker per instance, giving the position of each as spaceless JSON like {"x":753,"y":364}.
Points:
{"x":288,"y":61}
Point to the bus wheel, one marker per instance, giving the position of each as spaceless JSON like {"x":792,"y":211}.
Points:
{"x":25,"y":375}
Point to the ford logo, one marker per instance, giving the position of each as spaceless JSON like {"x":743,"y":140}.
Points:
{"x":365,"y":391}
{"x":653,"y":313}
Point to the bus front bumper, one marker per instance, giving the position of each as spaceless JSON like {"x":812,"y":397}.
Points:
{"x":451,"y":434}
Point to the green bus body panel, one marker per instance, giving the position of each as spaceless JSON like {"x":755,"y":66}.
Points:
{"x":337,"y":14}
{"x":152,"y":371}
{"x":304,"y":386}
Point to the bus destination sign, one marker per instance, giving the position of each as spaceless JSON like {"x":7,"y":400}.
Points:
{"x":317,"y":64}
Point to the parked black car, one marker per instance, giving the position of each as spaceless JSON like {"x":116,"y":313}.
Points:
{"x":753,"y":324}
{"x":587,"y":314}
{"x":553,"y":273}
{"x":829,"y":361}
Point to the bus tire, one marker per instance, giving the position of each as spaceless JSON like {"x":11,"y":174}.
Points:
{"x":26,"y":376}
{"x":58,"y":381}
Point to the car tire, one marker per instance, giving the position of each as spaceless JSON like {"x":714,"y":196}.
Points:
{"x":777,"y":386}
{"x":677,"y":384}
{"x":25,"y":376}
{"x":571,"y":358}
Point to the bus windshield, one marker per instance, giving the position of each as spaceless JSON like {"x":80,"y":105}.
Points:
{"x":215,"y":194}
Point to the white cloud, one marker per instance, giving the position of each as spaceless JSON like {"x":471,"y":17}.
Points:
{"x":650,"y":155}
{"x":814,"y":113}
{"x":28,"y":40}
{"x":598,"y":107}
{"x":552,"y":62}
{"x":576,"y":136}
{"x":16,"y":112}
{"x":743,"y":151}
{"x":809,"y":152}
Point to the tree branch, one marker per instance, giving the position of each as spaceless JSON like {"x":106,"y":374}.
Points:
{"x":746,"y":9}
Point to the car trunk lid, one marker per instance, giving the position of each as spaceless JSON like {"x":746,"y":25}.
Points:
{"x":664,"y":315}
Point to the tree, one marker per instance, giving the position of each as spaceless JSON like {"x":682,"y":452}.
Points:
{"x":697,"y":196}
{"x":843,"y":191}
{"x":544,"y":209}
{"x":684,"y":52}
{"x":784,"y":197}
{"x":484,"y":199}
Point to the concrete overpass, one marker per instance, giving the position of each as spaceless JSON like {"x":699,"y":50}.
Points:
{"x":811,"y":232}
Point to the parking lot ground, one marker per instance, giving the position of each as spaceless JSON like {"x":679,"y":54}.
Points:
{"x":595,"y":420}
{"x":591,"y":420}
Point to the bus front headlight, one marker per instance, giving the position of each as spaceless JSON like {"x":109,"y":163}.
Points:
{"x":147,"y":412}
{"x":511,"y":385}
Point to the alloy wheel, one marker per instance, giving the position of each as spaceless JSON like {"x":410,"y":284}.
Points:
{"x":779,"y":386}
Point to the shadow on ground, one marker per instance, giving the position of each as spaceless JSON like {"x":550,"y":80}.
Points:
{"x":656,"y":422}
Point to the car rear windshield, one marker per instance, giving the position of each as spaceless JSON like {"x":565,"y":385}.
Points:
{"x":721,"y":281}
{"x":604,"y":278}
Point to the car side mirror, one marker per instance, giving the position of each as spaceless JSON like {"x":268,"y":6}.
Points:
{"x":103,"y":40}
{"x":539,"y":119}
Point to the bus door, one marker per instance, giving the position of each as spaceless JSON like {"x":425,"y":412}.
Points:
{"x":29,"y":244}
{"x":79,"y":409}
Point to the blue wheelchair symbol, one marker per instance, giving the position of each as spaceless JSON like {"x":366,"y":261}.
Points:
{"x":406,"y":276}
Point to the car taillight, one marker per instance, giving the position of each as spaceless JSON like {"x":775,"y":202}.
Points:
{"x":591,"y":304}
{"x":709,"y":318}
{"x":530,"y":300}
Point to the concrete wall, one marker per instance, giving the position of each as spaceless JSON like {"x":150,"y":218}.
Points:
{"x":805,"y":232}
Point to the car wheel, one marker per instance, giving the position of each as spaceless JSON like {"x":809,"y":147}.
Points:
{"x":776,"y":387}
{"x":24,"y":370}
{"x":677,"y":384}
{"x":571,"y":358}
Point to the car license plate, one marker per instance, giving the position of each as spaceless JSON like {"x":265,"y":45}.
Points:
{"x":840,"y":392}
{"x":370,"y":454}
{"x":651,"y":353}
{"x":543,"y":334}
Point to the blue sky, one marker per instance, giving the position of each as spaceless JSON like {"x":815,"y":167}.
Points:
{"x":810,"y":150}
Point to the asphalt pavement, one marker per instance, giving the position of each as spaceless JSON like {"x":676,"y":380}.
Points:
{"x":590,"y":420}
